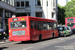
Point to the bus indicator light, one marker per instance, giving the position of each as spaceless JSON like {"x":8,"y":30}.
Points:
{"x":22,"y":18}
{"x":9,"y":35}
{"x":27,"y":33}
{"x":15,"y":19}
{"x":9,"y":30}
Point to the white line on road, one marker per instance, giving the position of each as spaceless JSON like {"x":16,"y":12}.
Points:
{"x":48,"y":43}
{"x":28,"y":48}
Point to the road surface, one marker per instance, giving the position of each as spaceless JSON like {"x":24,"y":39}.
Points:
{"x":61,"y":43}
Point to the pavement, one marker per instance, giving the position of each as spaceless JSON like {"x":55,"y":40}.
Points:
{"x":6,"y":41}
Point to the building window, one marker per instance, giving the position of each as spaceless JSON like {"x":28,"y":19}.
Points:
{"x":38,"y":3}
{"x":23,"y":14}
{"x":53,"y":15}
{"x":22,"y":3}
{"x":18,"y":4}
{"x":6,"y":14}
{"x":38,"y":14}
{"x":47,"y":3}
{"x":7,"y":1}
{"x":27,"y":3}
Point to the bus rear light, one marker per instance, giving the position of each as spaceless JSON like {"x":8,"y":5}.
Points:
{"x":9,"y":35}
{"x":27,"y":33}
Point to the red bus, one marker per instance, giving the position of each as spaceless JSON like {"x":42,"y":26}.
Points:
{"x":26,"y":28}
{"x":70,"y":21}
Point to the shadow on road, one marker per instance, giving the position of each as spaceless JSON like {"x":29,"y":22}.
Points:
{"x":2,"y":48}
{"x":67,"y":36}
{"x":32,"y":42}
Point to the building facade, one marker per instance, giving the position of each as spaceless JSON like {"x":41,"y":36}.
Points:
{"x":7,"y":9}
{"x":62,"y":3}
{"x":37,"y":8}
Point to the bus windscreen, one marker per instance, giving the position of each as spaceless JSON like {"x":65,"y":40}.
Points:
{"x":70,"y":24}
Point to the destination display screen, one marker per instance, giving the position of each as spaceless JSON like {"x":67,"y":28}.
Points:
{"x":70,"y":20}
{"x":15,"y":19}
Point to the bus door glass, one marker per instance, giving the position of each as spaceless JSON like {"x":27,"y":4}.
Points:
{"x":35,"y":27}
{"x":55,"y":28}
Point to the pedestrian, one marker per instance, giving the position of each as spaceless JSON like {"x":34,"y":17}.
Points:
{"x":4,"y":35}
{"x":0,"y":36}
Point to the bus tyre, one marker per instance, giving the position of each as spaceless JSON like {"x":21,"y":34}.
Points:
{"x":53,"y":35}
{"x":22,"y":41}
{"x":64,"y":35}
{"x":40,"y":37}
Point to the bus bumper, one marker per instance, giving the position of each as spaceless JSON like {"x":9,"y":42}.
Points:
{"x":19,"y":39}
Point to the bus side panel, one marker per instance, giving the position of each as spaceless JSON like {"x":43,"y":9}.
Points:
{"x":66,"y":22}
{"x":46,"y":34}
{"x":56,"y":33}
{"x":28,"y":25}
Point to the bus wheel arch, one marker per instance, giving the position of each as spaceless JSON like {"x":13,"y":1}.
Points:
{"x":40,"y":37}
{"x":53,"y":35}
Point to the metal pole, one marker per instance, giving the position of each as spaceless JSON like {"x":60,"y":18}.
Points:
{"x":3,"y":19}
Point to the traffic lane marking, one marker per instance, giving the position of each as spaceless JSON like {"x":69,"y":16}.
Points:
{"x":48,"y":42}
{"x":28,"y":48}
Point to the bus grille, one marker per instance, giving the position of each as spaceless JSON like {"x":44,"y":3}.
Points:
{"x":14,"y":33}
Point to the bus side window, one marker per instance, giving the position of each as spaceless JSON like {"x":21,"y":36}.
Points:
{"x":35,"y":25}
{"x":49,"y":25}
{"x":52,"y":25}
{"x":31,"y":24}
{"x":44,"y":26}
{"x":39,"y":25}
{"x":55,"y":25}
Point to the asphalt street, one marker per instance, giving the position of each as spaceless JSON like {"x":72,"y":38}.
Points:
{"x":61,"y":43}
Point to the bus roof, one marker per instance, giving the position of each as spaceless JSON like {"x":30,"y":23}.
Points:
{"x":70,"y":17}
{"x":38,"y":18}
